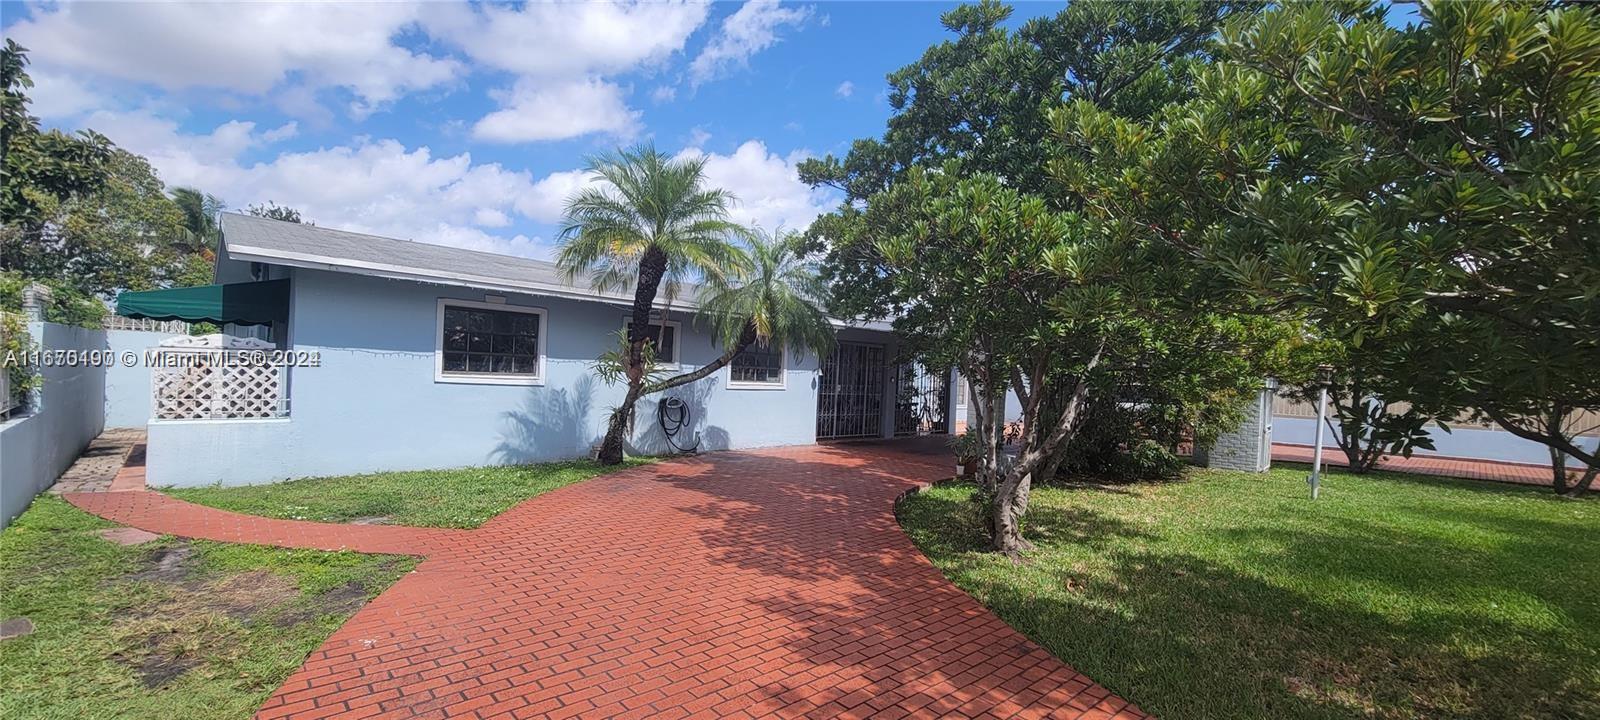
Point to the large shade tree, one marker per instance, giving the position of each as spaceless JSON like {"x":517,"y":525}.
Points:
{"x":650,"y":225}
{"x":954,"y":228}
{"x":1430,"y":192}
{"x":81,"y":215}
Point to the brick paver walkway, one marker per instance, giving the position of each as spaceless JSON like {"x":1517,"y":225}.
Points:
{"x":107,"y":458}
{"x":751,"y":584}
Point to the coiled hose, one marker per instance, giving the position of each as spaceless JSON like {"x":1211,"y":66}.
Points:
{"x":673,"y":416}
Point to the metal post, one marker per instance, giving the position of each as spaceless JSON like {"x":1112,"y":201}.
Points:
{"x":1316,"y":454}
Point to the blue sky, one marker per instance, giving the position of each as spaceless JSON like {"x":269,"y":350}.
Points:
{"x":468,"y":125}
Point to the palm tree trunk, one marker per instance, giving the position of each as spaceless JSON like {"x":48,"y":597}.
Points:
{"x":745,"y":340}
{"x":652,"y":267}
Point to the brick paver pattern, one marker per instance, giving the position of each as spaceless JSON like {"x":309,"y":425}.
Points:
{"x":104,"y":461}
{"x":770,"y":583}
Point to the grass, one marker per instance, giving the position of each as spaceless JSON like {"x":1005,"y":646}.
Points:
{"x":1231,"y":595}
{"x":169,"y":629}
{"x":463,"y":498}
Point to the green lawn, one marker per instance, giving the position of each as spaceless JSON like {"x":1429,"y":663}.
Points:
{"x":166,"y":630}
{"x":181,"y":629}
{"x":463,"y":498}
{"x":1231,"y":595}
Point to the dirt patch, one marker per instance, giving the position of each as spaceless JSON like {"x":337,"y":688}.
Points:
{"x":167,"y":565}
{"x":15,"y":627}
{"x":342,"y":600}
{"x":248,"y":596}
{"x":163,"y":664}
{"x":372,"y":520}
{"x":188,"y":623}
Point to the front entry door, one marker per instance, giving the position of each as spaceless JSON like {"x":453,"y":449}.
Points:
{"x":850,"y":392}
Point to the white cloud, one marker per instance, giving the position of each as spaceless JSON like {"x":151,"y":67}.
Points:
{"x":698,"y":137}
{"x":380,"y":187}
{"x":561,"y":54}
{"x":385,"y":188}
{"x":250,"y":48}
{"x":664,"y":94}
{"x":768,"y":186}
{"x":60,"y":95}
{"x":749,"y":30}
{"x":531,"y":111}
{"x":566,"y":40}
{"x":845,"y":89}
{"x":549,"y":196}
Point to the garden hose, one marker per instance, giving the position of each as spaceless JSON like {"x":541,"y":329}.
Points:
{"x":673,"y":416}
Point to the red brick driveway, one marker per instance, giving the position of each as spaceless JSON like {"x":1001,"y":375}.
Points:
{"x":749,"y":584}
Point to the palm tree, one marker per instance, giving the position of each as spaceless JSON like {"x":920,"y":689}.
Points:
{"x":650,"y":224}
{"x":200,"y":212}
{"x":778,"y":302}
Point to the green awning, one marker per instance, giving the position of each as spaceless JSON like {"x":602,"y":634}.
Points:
{"x":251,"y":303}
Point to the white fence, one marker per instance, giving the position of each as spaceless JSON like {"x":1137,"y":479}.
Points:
{"x":212,"y":384}
{"x":170,"y":327}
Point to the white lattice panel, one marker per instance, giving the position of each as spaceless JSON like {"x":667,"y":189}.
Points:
{"x":216,"y":385}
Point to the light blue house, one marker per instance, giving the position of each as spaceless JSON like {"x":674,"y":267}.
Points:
{"x":415,"y":356}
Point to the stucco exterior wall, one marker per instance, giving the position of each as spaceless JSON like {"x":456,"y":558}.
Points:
{"x":69,"y":411}
{"x":374,"y":404}
{"x":128,"y":387}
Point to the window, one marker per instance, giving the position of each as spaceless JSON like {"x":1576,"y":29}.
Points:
{"x":757,"y":366}
{"x":961,"y":391}
{"x":666,"y":337}
{"x":489,"y":343}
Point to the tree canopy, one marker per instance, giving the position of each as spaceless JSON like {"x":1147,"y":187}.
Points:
{"x":1426,"y":195}
{"x":82,"y":215}
{"x":956,"y":230}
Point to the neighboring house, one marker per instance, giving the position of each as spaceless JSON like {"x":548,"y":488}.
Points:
{"x":436,"y":357}
{"x":1296,"y":423}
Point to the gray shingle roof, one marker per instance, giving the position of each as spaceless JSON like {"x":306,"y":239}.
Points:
{"x":259,"y":239}
{"x":246,"y":237}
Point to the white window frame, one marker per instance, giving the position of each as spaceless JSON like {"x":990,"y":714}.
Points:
{"x":781,"y":384}
{"x":440,"y":376}
{"x":677,"y":339}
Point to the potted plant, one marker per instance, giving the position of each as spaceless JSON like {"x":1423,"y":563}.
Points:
{"x":968,"y":448}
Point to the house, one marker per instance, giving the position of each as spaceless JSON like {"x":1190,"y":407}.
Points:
{"x":400,"y":355}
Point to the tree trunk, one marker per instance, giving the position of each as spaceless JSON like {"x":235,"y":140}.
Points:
{"x":1584,"y":483}
{"x":745,"y":340}
{"x":1011,"y":494}
{"x":1558,"y":469}
{"x":652,"y":268}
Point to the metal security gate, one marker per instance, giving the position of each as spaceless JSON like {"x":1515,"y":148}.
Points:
{"x":850,"y":392}
{"x":922,"y":401}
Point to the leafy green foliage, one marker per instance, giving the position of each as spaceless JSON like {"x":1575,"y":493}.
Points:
{"x":1427,"y":192}
{"x":776,"y":298}
{"x":274,"y":211}
{"x":649,"y":225}
{"x":81,"y":213}
{"x":16,"y":343}
{"x":955,"y":228}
